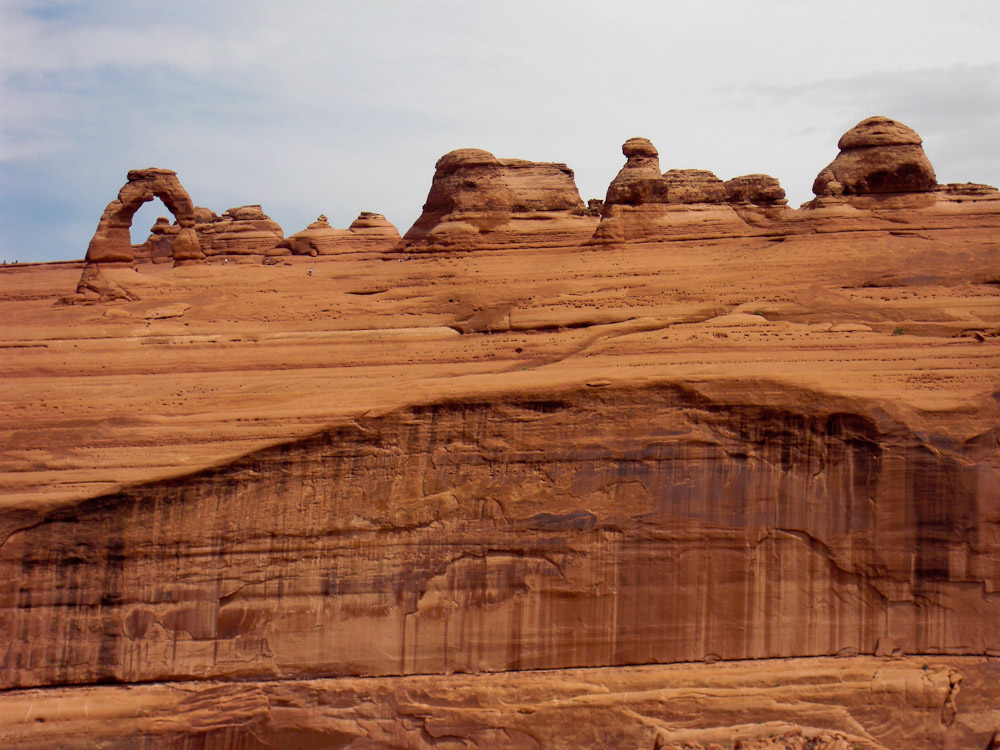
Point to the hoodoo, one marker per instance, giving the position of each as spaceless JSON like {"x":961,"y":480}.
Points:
{"x":878,"y":155}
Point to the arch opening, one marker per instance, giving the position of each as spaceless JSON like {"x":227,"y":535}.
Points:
{"x":112,"y":242}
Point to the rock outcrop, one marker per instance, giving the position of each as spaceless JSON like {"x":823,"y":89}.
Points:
{"x":370,"y":232}
{"x":673,"y":494}
{"x":788,"y":523}
{"x":159,"y":246}
{"x":112,"y":242}
{"x":644,"y":205}
{"x":756,"y":189}
{"x":877,"y":156}
{"x":245,"y":230}
{"x":477,"y":201}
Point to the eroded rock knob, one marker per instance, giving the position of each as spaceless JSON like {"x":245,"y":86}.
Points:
{"x":877,"y":156}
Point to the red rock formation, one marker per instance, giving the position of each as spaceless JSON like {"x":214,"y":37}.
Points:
{"x":159,"y":246}
{"x":643,"y":205}
{"x":877,"y":156}
{"x":112,"y":242}
{"x":370,"y":232}
{"x":477,"y":201}
{"x":245,"y":230}
{"x":757,"y":189}
{"x":772,"y":459}
{"x":737,"y":532}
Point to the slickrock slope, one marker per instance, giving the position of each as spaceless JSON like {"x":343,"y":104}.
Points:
{"x":477,"y":201}
{"x":458,"y":499}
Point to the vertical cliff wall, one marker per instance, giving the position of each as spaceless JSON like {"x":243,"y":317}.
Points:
{"x":593,"y":528}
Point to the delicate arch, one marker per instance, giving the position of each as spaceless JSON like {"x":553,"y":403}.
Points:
{"x":112,"y":242}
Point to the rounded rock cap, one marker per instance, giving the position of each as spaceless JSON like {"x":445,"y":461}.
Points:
{"x":465,"y":157}
{"x":639,"y":147}
{"x":879,"y":131}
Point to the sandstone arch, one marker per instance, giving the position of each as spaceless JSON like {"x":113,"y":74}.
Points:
{"x":112,"y":242}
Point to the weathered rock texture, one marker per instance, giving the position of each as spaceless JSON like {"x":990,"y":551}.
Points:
{"x":112,"y":242}
{"x":591,"y":529}
{"x":816,"y":704}
{"x":477,"y":201}
{"x":245,"y":230}
{"x":878,"y":155}
{"x":370,"y":232}
{"x":159,"y":246}
{"x":758,"y":189}
{"x":881,"y":178}
{"x":642,"y":204}
{"x":771,"y":458}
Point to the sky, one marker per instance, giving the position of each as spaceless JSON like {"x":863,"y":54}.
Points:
{"x":336,"y":107}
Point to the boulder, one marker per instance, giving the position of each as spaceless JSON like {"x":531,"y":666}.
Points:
{"x":877,"y":156}
{"x":758,"y":189}
{"x":693,"y":186}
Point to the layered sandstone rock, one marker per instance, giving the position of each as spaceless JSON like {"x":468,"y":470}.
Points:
{"x":817,"y":704}
{"x":112,"y":242}
{"x":444,"y":538}
{"x":477,"y":201}
{"x":643,"y":205}
{"x":245,"y":230}
{"x":777,"y":472}
{"x":877,"y":156}
{"x":370,"y":232}
{"x":159,"y":246}
{"x":756,"y":189}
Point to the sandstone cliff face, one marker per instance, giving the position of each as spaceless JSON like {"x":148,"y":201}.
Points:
{"x":318,"y":495}
{"x":477,"y":201}
{"x":591,"y":529}
{"x":816,"y":704}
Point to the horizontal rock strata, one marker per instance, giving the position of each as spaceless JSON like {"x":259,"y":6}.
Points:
{"x":603,"y":528}
{"x":856,"y":703}
{"x":477,"y":201}
{"x":245,"y":230}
